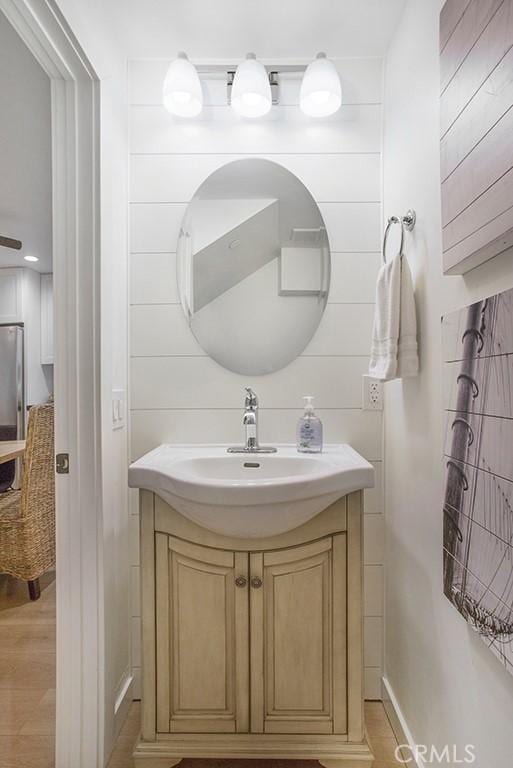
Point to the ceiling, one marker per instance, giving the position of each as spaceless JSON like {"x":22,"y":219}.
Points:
{"x":25,"y":154}
{"x":271,"y":28}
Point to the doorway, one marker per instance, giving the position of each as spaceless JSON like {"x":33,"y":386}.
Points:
{"x":75,"y":249}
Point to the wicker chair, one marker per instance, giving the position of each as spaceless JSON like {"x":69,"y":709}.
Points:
{"x":27,"y":517}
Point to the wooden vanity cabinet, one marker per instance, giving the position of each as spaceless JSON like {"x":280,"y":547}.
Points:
{"x":252,"y":647}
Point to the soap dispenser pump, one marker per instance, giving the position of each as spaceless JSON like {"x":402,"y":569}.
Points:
{"x":309,"y":429}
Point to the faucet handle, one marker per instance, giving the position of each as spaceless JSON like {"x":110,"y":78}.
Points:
{"x":251,"y":399}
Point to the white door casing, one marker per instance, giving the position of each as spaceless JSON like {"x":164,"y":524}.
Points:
{"x":76,"y":254}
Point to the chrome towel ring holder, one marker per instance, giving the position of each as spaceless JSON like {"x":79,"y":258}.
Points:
{"x":407,"y":222}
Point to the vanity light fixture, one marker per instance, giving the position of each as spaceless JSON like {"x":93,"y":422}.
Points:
{"x":251,"y":90}
{"x":181,"y":93}
{"x":321,"y":92}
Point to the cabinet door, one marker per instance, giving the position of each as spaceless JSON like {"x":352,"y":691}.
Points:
{"x":202,"y":638}
{"x":298,"y":639}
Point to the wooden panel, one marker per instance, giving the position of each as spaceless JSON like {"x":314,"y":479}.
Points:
{"x":150,"y":331}
{"x":340,"y":634}
{"x":476,"y":128}
{"x":477,"y":174}
{"x":163,"y":650}
{"x":148,"y":721}
{"x":256,"y":569}
{"x":470,"y":26}
{"x":490,"y":103}
{"x":352,"y":227}
{"x":488,"y":51}
{"x":283,"y":129}
{"x":355,"y":725}
{"x":202,"y":638}
{"x":330,"y":520}
{"x":451,"y":13}
{"x":329,"y":177}
{"x":297,"y":639}
{"x":170,"y":382}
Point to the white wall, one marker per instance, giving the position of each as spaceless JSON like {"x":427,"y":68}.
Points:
{"x":38,"y":378}
{"x":25,"y":153}
{"x":178,"y":394}
{"x":95,"y":25}
{"x":450,"y":687}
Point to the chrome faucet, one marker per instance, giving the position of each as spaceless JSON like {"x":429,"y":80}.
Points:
{"x":250,"y":423}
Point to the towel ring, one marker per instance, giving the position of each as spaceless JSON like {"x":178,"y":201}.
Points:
{"x":407,"y":222}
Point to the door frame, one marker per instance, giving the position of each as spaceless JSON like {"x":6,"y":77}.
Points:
{"x":76,"y":262}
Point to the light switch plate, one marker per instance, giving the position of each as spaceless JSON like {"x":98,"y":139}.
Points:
{"x":118,"y":409}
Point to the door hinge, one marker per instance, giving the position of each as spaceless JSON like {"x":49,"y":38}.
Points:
{"x":62,"y":463}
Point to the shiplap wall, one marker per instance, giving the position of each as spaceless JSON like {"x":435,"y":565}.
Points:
{"x":476,"y":121}
{"x":177,"y":393}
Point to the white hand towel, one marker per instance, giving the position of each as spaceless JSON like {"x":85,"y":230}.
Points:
{"x":394,"y":336}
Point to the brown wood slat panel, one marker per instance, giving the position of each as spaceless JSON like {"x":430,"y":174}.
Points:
{"x":492,"y":239}
{"x":490,"y":103}
{"x":450,"y":15}
{"x":490,"y":48}
{"x":467,"y":32}
{"x":481,"y":169}
{"x":494,"y":202}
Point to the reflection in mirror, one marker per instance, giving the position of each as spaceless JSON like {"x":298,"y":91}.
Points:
{"x":253,"y":266}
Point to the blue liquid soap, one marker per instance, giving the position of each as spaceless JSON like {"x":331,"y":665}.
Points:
{"x":309,"y":429}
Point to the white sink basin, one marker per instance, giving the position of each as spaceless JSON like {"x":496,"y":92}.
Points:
{"x":250,"y":495}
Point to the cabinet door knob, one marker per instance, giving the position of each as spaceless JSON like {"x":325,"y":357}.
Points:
{"x":241,"y":581}
{"x":256,"y":582}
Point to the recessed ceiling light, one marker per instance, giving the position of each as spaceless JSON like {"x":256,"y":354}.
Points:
{"x":31,"y":258}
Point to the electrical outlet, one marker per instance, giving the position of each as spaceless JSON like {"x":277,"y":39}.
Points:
{"x":372,"y":394}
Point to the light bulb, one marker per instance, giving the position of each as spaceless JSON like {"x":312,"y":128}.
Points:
{"x":321,"y":93}
{"x":31,"y":258}
{"x":251,"y":90}
{"x":181,"y":92}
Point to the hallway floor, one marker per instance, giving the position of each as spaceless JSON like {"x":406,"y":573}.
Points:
{"x":27,"y":675}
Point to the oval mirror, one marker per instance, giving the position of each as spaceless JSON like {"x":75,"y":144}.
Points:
{"x":253,"y":266}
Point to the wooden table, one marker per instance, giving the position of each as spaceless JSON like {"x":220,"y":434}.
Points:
{"x":11,"y":449}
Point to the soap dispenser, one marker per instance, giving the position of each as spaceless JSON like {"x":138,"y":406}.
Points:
{"x":309,"y":429}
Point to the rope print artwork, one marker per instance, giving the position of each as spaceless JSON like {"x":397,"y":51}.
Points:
{"x":478,"y":461}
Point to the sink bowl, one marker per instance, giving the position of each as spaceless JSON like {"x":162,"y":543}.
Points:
{"x":250,"y":495}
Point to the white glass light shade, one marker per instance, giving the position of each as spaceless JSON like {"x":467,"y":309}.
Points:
{"x":181,"y":92}
{"x":321,"y":93}
{"x":251,"y":90}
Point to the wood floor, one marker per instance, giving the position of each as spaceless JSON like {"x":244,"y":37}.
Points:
{"x":27,"y":694}
{"x":381,"y":737}
{"x":27,"y":675}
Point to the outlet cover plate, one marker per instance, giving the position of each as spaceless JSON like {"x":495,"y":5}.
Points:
{"x":372,"y":394}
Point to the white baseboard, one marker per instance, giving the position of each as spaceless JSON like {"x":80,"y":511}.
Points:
{"x":399,"y":724}
{"x":122,"y":703}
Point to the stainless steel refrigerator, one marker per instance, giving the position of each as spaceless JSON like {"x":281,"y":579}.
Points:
{"x":12,"y":405}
